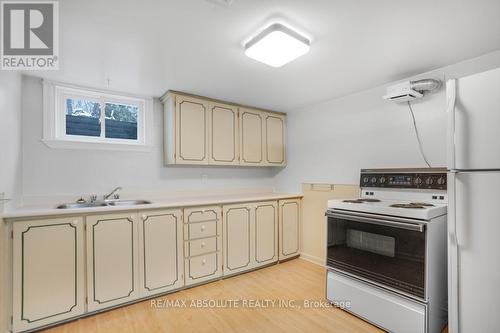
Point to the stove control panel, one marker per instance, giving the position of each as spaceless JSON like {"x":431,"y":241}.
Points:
{"x":425,"y":179}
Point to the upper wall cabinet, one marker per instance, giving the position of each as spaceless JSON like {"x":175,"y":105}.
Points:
{"x":223,"y":134}
{"x":202,"y":131}
{"x":252,"y":136}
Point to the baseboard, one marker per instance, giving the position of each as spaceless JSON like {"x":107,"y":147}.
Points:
{"x":313,"y":259}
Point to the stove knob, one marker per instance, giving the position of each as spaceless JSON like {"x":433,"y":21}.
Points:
{"x":418,"y":181}
{"x":366,"y":180}
{"x":382,"y":180}
{"x":429,"y":181}
{"x":441,"y":181}
{"x":374,"y":180}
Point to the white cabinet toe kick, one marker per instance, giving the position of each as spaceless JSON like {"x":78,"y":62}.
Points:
{"x":69,"y":267}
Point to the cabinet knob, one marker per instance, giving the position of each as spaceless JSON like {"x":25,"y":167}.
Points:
{"x":144,"y":217}
{"x":131,"y":217}
{"x":202,"y":244}
{"x":74,"y":223}
{"x":204,"y":261}
{"x":203,"y":228}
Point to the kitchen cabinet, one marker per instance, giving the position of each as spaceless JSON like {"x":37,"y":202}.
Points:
{"x":289,"y":228}
{"x":161,"y":251}
{"x":251,"y":136}
{"x":266,"y":233}
{"x":202,"y":244}
{"x":48,"y":271}
{"x":191,"y":130}
{"x":274,"y":139}
{"x":223,"y":134}
{"x":203,"y":131}
{"x":67,"y":267}
{"x":250,"y":236}
{"x":112,"y":260}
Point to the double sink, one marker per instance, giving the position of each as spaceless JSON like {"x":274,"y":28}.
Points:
{"x":104,"y":203}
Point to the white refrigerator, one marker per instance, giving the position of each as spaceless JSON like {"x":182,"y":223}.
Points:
{"x":473,"y":113}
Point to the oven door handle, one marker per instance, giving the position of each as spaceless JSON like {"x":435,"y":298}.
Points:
{"x":388,"y":222}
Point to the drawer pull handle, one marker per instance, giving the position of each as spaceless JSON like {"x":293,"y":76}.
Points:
{"x":204,"y":261}
{"x":203,"y":228}
{"x":202,"y":244}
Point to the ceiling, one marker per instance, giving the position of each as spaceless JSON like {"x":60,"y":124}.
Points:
{"x":150,"y":46}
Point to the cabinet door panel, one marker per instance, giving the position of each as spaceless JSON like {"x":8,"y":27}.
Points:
{"x":275,"y":139}
{"x":266,"y":233}
{"x":238,"y":239}
{"x":112,"y":260}
{"x":223,"y":133}
{"x":289,"y":228}
{"x":251,"y":137}
{"x":161,"y":251}
{"x":48,"y":272}
{"x":191,"y":125}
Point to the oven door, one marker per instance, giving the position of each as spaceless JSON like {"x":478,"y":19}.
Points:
{"x":388,"y":251}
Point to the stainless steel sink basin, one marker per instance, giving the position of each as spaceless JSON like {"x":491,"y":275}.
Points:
{"x":77,"y":205}
{"x":128,"y":202}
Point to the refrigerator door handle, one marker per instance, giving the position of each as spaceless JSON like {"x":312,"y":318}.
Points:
{"x":452,"y":219}
{"x":451,"y":96}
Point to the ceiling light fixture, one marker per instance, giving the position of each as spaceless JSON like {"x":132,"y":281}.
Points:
{"x":277,"y":45}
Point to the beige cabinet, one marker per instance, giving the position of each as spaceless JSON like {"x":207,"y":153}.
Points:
{"x":161,"y":251}
{"x":251,"y":136}
{"x":266,"y":233}
{"x":202,"y":244}
{"x":48,"y":271}
{"x":203,"y":131}
{"x":191,"y":130}
{"x":223,"y":134}
{"x":112,"y":260}
{"x":274,"y":139}
{"x":250,"y":236}
{"x":289,"y":228}
{"x":238,"y":226}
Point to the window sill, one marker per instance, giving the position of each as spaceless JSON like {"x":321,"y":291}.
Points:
{"x":73,"y":144}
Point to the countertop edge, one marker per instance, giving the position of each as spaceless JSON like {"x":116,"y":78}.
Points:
{"x":24,"y":213}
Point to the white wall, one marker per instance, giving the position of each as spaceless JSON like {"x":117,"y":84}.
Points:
{"x":49,"y":171}
{"x":10,"y":134}
{"x":329,"y":142}
{"x":10,"y":172}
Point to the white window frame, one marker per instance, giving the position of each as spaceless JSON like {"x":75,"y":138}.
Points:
{"x":54,"y":117}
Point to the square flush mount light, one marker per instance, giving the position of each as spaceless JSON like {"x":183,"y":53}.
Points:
{"x":277,"y":45}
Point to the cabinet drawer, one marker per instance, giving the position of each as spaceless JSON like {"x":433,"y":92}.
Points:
{"x":202,"y":268}
{"x":202,"y":230}
{"x":201,"y":246}
{"x":202,"y":214}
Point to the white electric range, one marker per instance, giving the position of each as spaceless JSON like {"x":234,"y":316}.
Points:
{"x":386,"y":252}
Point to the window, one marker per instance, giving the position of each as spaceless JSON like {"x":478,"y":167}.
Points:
{"x":82,"y":118}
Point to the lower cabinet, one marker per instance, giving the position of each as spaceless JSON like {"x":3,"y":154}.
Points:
{"x":48,"y":272}
{"x":202,"y":244}
{"x":160,"y":251}
{"x":289,"y":228}
{"x":250,"y":236}
{"x":112,"y":260}
{"x":66,"y":267}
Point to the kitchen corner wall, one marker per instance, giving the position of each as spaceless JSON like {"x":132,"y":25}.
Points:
{"x":10,"y":172}
{"x":10,"y":134}
{"x":331,"y":141}
{"x":48,"y":171}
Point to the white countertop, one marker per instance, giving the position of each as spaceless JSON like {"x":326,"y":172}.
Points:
{"x":24,"y":212}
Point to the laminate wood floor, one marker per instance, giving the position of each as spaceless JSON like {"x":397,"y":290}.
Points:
{"x":296,"y":280}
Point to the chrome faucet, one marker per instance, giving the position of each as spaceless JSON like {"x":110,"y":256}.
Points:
{"x":116,"y":196}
